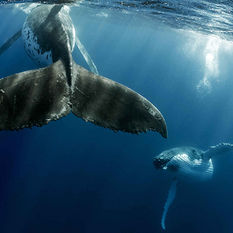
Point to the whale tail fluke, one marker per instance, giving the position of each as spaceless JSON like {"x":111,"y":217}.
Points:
{"x":33,"y":98}
{"x":36,"y":97}
{"x":112,"y":105}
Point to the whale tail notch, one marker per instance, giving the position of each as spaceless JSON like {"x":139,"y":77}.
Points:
{"x":36,"y":97}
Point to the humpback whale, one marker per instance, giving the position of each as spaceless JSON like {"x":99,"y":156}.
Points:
{"x":187,"y":162}
{"x":36,"y":97}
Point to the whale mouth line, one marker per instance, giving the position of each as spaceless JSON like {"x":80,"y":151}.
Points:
{"x":160,"y":163}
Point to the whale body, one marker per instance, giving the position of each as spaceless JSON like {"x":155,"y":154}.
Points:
{"x":184,"y":162}
{"x":36,"y":97}
{"x":190,"y":163}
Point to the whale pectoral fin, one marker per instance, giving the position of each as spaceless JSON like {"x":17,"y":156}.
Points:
{"x":170,"y":198}
{"x":86,"y":55}
{"x":218,"y":149}
{"x":33,"y":98}
{"x":10,"y":41}
{"x":112,"y":105}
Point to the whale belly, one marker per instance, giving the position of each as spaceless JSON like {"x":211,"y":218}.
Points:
{"x":33,"y":49}
{"x":191,"y":168}
{"x":45,"y":40}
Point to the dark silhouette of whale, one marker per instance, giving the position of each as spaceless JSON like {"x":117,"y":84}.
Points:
{"x":36,"y":97}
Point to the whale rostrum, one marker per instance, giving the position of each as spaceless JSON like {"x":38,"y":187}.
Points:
{"x":36,"y":97}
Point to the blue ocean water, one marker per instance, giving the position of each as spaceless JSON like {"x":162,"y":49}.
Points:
{"x":72,"y":176}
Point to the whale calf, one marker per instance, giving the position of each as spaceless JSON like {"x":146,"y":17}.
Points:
{"x":36,"y":97}
{"x":189,"y":163}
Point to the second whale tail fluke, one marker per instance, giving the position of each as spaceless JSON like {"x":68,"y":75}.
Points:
{"x":36,"y":97}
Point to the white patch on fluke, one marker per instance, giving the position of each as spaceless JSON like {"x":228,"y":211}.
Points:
{"x":33,"y":48}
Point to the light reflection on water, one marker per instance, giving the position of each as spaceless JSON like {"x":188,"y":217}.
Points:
{"x":207,"y":16}
{"x":207,"y":44}
{"x":209,"y":47}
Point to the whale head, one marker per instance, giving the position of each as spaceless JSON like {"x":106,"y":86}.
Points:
{"x":161,"y":161}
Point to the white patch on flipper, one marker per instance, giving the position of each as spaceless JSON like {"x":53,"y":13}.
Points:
{"x":33,"y":48}
{"x":74,"y":35}
{"x":198,"y":168}
{"x":86,"y":56}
